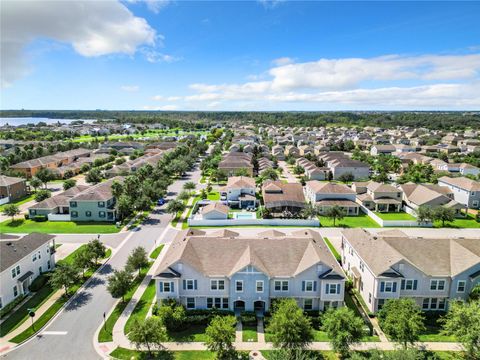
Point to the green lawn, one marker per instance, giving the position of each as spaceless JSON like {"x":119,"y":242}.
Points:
{"x":468,"y":222}
{"x":105,"y":334}
{"x":156,"y":252}
{"x":57,"y":227}
{"x":362,"y":220}
{"x":142,"y":307}
{"x":395,"y":216}
{"x":194,"y":333}
{"x":19,"y":202}
{"x":249,"y":333}
{"x":332,"y":249}
{"x":214,"y":196}
{"x":126,"y":354}
{"x":433,"y":334}
{"x":330,"y":355}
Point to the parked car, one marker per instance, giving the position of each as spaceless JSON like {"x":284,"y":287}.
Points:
{"x":160,"y":201}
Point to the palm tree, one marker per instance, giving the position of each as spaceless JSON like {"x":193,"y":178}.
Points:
{"x":334,"y":213}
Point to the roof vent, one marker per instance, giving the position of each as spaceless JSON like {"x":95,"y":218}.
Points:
{"x":9,"y":243}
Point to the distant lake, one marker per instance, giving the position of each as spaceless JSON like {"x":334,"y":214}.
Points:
{"x":15,"y":121}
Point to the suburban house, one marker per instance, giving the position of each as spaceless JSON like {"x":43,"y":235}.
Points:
{"x":278,"y":152}
{"x":465,"y":191}
{"x":378,"y":149}
{"x":279,"y":196}
{"x":378,"y":197}
{"x":31,"y":167}
{"x":416,"y":195}
{"x":215,"y":211}
{"x":327,"y":194}
{"x":22,"y":260}
{"x":431,"y":271}
{"x":96,"y":203}
{"x":312,"y":171}
{"x":239,"y":192}
{"x":12,"y":189}
{"x":236,"y":161}
{"x":264,"y":164}
{"x":340,"y":164}
{"x":56,"y":207}
{"x":222,"y":270}
{"x":291,"y":150}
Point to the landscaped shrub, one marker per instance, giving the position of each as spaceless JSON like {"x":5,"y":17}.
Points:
{"x":40,"y":218}
{"x":38,"y":283}
{"x":26,"y":216}
{"x":248,"y":318}
{"x":9,"y":307}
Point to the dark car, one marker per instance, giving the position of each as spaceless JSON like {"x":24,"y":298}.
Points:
{"x":160,"y":201}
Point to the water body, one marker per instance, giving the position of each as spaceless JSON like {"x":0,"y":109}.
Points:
{"x":16,"y":121}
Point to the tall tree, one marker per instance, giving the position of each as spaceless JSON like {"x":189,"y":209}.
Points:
{"x":289,"y":327}
{"x":463,"y":322}
{"x":67,"y":184}
{"x":83,"y":259}
{"x":149,"y":333}
{"x":443,"y":214}
{"x":335,"y":213}
{"x":175,"y":206}
{"x":63,"y":276}
{"x":120,"y":283}
{"x":45,"y":175}
{"x":221,"y":335}
{"x":11,"y":210}
{"x":35,"y":182}
{"x":138,"y":259}
{"x":402,"y":320}
{"x":96,"y":249}
{"x":343,"y":328}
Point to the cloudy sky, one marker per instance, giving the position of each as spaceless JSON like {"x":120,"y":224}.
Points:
{"x":249,"y":55}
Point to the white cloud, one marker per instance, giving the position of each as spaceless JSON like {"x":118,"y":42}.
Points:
{"x":156,"y":5}
{"x":410,"y":82}
{"x":166,"y":98}
{"x":154,"y":56}
{"x":270,"y":4}
{"x":282,"y":61}
{"x":92,"y":28}
{"x":169,"y":107}
{"x":130,"y":88}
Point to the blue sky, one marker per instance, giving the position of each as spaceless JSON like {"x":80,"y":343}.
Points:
{"x":250,"y":55}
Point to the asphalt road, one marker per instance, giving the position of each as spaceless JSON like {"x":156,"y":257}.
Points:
{"x":84,"y":314}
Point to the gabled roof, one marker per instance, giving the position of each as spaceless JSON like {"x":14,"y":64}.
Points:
{"x":240,"y":182}
{"x":13,"y":250}
{"x":215,"y":206}
{"x":329,"y":187}
{"x":461,"y":182}
{"x":9,"y":180}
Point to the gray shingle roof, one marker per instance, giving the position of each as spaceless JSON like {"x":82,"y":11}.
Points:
{"x":13,"y":250}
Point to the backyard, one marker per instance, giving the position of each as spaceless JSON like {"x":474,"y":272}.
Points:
{"x":395,"y":216}
{"x":19,"y":202}
{"x":468,"y":222}
{"x":24,"y":226}
{"x":361,"y":220}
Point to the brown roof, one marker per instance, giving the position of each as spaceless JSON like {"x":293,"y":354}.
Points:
{"x":278,"y":194}
{"x":240,"y":182}
{"x":218,"y":256}
{"x":462,"y":182}
{"x":329,"y":187}
{"x":446,"y":257}
{"x":215,"y":206}
{"x":9,"y":180}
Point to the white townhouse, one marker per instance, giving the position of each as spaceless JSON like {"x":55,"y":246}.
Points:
{"x":391,"y":265}
{"x":225,"y":271}
{"x":465,"y":191}
{"x":22,"y":260}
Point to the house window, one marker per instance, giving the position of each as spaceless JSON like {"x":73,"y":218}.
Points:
{"x":307,"y":304}
{"x":388,"y":286}
{"x":88,"y":213}
{"x":333,"y":288}
{"x":33,"y":212}
{"x":73,"y":204}
{"x":13,"y":273}
{"x":34,"y":257}
{"x":437,"y":285}
{"x":362,"y":266}
{"x":39,"y":255}
{"x":259,"y":286}
{"x":15,"y":291}
{"x":190,"y":303}
{"x":209,"y":303}
{"x":220,"y":303}
{"x":308,"y":286}
{"x":101,"y":204}
{"x":74,"y":214}
{"x":442,"y":304}
{"x":189,"y":285}
{"x":380,"y":304}
{"x":101,"y":214}
{"x":239,"y":286}
{"x":369,"y":298}
{"x":217,"y":284}
{"x":426,"y":304}
{"x":408,"y":284}
{"x":48,"y":264}
{"x":461,"y":286}
{"x":281,"y":285}
{"x":433,"y":304}
{"x":166,"y":287}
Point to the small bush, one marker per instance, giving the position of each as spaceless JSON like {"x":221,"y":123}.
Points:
{"x":26,"y":216}
{"x":38,"y":283}
{"x":248,"y":318}
{"x":40,"y":218}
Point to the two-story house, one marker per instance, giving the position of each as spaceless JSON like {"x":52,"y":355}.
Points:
{"x":239,"y":192}
{"x":378,"y":197}
{"x":465,"y":191}
{"x":391,"y":265}
{"x":328,"y":194}
{"x":22,"y":260}
{"x":225,"y":271}
{"x":12,"y":188}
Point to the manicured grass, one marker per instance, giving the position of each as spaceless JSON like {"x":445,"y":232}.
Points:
{"x":330,"y":355}
{"x":156,"y":252}
{"x":18,"y":317}
{"x":468,"y":222}
{"x":194,"y":333}
{"x":214,"y":196}
{"x":332,"y":249}
{"x":361,"y":220}
{"x":395,"y":216}
{"x":433,"y":334}
{"x":142,"y":307}
{"x":19,"y":202}
{"x":249,"y":333}
{"x":127,"y":354}
{"x":105,"y":334}
{"x":57,"y":227}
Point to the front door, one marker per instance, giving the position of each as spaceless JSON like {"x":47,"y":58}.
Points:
{"x":259,"y":305}
{"x":25,"y":285}
{"x":239,"y":305}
